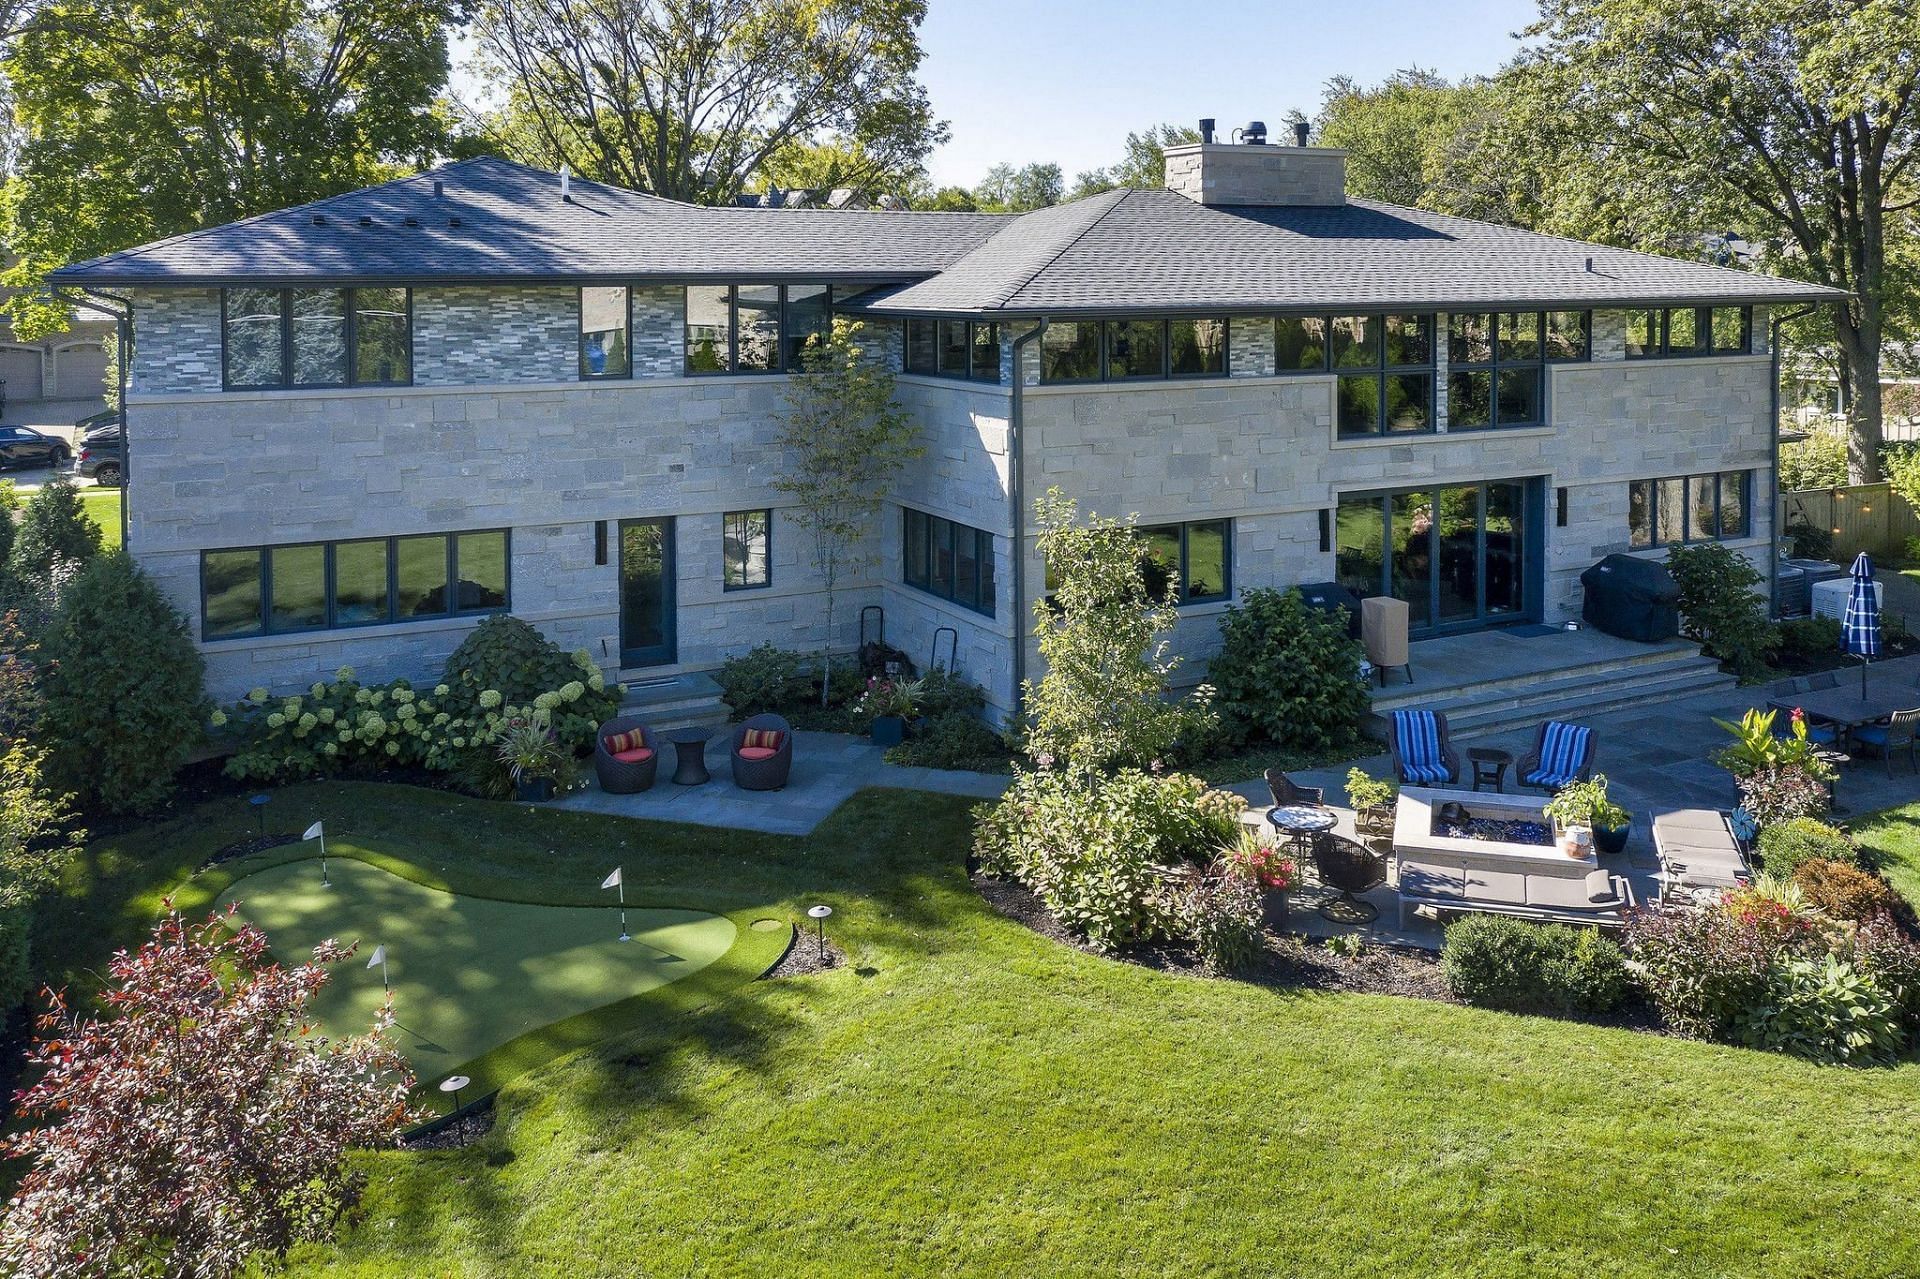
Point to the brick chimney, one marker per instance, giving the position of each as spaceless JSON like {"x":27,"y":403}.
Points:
{"x":1257,"y":173}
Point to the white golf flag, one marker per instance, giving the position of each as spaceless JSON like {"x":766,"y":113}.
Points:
{"x":379,"y":956}
{"x":613,"y":880}
{"x":313,"y":832}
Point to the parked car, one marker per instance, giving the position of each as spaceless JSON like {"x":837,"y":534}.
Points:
{"x":103,"y":458}
{"x":24,"y":446}
{"x":94,"y":423}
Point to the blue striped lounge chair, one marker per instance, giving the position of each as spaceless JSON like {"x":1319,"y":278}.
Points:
{"x":1422,"y":755}
{"x":1563,"y":755}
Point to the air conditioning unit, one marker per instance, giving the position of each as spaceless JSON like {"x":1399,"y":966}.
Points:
{"x":1830,"y":597}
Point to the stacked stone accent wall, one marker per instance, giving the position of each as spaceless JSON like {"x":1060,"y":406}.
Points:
{"x":1250,"y":346}
{"x":176,"y":341}
{"x":468,"y":335}
{"x":659,"y":338}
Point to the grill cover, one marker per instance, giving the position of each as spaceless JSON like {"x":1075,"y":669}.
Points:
{"x":1633,"y":598}
{"x":1327,"y":596}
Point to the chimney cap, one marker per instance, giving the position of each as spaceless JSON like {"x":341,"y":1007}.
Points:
{"x":1206,"y":128}
{"x":1255,"y":134}
{"x":1300,"y":130}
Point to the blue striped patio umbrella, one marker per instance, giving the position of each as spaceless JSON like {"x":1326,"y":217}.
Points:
{"x":1860,"y":631}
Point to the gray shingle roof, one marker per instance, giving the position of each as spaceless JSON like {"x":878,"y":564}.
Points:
{"x":1155,"y":250}
{"x":1118,"y":251}
{"x":513,"y":225}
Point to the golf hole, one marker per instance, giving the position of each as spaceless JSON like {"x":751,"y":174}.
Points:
{"x":765,"y":925}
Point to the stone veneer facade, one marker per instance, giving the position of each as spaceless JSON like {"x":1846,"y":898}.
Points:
{"x":497,"y":431}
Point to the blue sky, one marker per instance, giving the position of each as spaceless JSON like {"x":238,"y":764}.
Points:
{"x":1067,"y":80}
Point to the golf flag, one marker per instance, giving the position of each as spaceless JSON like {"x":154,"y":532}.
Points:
{"x":379,"y":956}
{"x":314,"y":831}
{"x":613,"y":880}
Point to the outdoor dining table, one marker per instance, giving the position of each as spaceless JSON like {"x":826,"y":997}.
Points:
{"x":1846,"y":707}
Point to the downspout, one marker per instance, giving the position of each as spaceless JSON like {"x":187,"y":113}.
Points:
{"x":1776,"y":506}
{"x":121,"y":313}
{"x":1017,"y":501}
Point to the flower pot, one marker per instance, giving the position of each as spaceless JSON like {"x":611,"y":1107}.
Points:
{"x":1612,"y":839}
{"x":888,"y":730}
{"x":533,"y":790}
{"x":1574,"y":841}
{"x":1377,"y":820}
{"x":1273,"y":908}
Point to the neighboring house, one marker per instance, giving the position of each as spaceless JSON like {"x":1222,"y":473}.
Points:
{"x":358,"y":424}
{"x":57,"y":380}
{"x":1815,"y":396}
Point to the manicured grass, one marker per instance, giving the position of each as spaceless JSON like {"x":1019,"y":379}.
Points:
{"x":103,"y":506}
{"x":966,"y":1097}
{"x":468,"y":973}
{"x":1894,"y":838}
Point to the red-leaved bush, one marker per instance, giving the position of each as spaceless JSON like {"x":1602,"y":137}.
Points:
{"x":199,"y":1122}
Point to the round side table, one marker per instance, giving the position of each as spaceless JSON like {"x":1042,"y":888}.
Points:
{"x":690,"y":756}
{"x":1489,"y":767}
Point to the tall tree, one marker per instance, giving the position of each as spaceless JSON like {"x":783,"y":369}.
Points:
{"x":1006,"y":189}
{"x":147,"y":118}
{"x":202,"y":1122}
{"x":845,"y":438}
{"x":1799,"y":120}
{"x":1143,"y":166}
{"x":692,"y":99}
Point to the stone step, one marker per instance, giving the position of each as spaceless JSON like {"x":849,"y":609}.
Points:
{"x":673,"y":701}
{"x":1414,"y":697}
{"x":1556,"y":684}
{"x":1584,"y":704}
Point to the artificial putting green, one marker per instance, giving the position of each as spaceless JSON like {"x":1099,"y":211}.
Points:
{"x":469,"y":974}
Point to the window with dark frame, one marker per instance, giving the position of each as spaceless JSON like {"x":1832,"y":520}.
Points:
{"x":952,"y":561}
{"x":313,"y":586}
{"x":1678,"y":332}
{"x":753,"y":328}
{"x":1133,"y":350}
{"x":1190,"y":563}
{"x":1496,"y":366}
{"x":748,"y":550}
{"x":1383,"y":366}
{"x":606,"y":319}
{"x":1688,"y":509}
{"x":299,"y":338}
{"x":967,"y":349}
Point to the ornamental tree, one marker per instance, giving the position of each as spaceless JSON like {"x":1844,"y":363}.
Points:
{"x":201,"y":1121}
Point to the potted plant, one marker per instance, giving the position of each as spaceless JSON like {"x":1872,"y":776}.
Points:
{"x":533,"y":759}
{"x":1583,"y":815}
{"x":889,"y":704}
{"x":1250,"y":857}
{"x":1372,"y":800}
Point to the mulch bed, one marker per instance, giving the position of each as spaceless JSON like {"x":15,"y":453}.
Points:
{"x":803,"y":957}
{"x":247,"y":847}
{"x":463,"y":1131}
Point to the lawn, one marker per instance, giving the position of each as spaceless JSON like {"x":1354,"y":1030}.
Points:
{"x":103,"y":505}
{"x":969,"y":1098}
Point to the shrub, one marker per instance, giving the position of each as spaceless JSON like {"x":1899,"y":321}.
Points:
{"x":1817,"y":462}
{"x":1825,"y":1010}
{"x":1887,"y":952}
{"x":9,"y":506}
{"x":1783,"y":794}
{"x":16,"y":973}
{"x":1222,"y":916}
{"x":54,"y":527}
{"x":1843,"y":891}
{"x":1704,"y":968}
{"x":507,"y":656}
{"x":1096,"y":848}
{"x":1287,"y":673}
{"x":1719,"y":608}
{"x":1364,"y":791}
{"x":1784,"y":845}
{"x":1808,"y":639}
{"x":944,"y":692}
{"x":763,"y":680}
{"x":956,"y":739}
{"x":1497,"y":962}
{"x":122,"y":687}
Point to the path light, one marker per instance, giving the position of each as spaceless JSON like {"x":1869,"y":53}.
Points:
{"x":259,"y":804}
{"x":453,"y":1084}
{"x":820,"y":914}
{"x":318,"y":831}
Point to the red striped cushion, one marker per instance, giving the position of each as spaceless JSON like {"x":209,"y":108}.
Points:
{"x":628,"y":741}
{"x":764,"y":738}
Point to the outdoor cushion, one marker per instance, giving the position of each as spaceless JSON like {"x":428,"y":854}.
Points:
{"x":1872,"y":734}
{"x":617,"y":742}
{"x":1558,"y":892}
{"x":1421,"y":758}
{"x":1430,"y":879}
{"x":638,"y":755}
{"x":1599,"y":886}
{"x":758,"y":752}
{"x":1563,"y":753}
{"x":767,"y":739}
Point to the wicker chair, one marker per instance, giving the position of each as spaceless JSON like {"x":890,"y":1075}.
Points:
{"x":1404,"y":767}
{"x":771,"y":772}
{"x":619,"y":776}
{"x":1352,"y":869}
{"x":1559,"y":740}
{"x":1287,"y":791}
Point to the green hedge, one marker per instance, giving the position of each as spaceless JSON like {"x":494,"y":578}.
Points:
{"x":1496,"y":962}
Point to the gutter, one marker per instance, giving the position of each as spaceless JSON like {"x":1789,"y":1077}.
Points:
{"x":1017,"y":500}
{"x":121,"y":312}
{"x":1778,"y":507}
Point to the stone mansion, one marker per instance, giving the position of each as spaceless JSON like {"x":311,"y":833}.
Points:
{"x":358,"y":425}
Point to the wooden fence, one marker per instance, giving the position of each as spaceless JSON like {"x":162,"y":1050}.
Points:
{"x":1862,"y":517}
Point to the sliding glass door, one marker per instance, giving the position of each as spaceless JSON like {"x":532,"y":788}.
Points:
{"x":1462,"y":556}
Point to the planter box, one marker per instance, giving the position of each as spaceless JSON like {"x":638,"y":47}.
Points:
{"x":536,"y":791}
{"x":888,"y":730}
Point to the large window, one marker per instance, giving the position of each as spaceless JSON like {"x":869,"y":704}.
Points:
{"x":947,"y":559}
{"x":1191,"y":563}
{"x":748,"y":550}
{"x":605,"y":321}
{"x":316,"y":337}
{"x":1383,"y":366}
{"x":753,"y":328}
{"x":1689,"y":330}
{"x":265,"y":590}
{"x":1130,"y":350}
{"x":953,"y":348}
{"x":1688,"y":508}
{"x":1496,"y":364}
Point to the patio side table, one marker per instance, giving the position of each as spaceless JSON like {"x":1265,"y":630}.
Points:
{"x":690,"y":756}
{"x":1490,"y":767}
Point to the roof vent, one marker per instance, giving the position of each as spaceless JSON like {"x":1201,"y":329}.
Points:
{"x":1206,"y":131}
{"x":319,"y":219}
{"x":453,"y":221}
{"x":365,"y":220}
{"x":566,"y":184}
{"x":1255,"y":134}
{"x":438,"y":189}
{"x":410,"y":221}
{"x":1300,"y":128}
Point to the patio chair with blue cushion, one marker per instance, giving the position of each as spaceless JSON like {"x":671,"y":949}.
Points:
{"x":1562,"y":755}
{"x":1900,"y":733}
{"x":1820,"y":732}
{"x":1422,"y":756}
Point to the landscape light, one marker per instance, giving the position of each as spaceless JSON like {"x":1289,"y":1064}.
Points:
{"x":820,"y":913}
